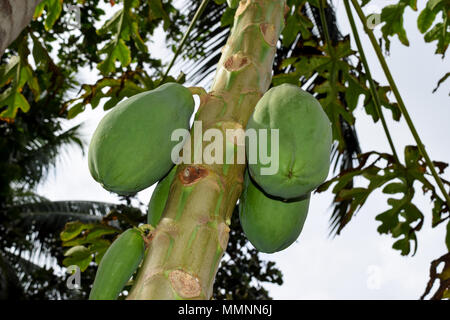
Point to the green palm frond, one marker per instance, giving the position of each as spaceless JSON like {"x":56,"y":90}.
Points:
{"x":42,"y":220}
{"x":29,"y":235}
{"x":25,"y":279}
{"x":10,"y":285}
{"x":202,"y":52}
{"x":42,"y":153}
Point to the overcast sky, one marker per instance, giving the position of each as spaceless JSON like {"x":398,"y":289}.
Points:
{"x":360,"y":263}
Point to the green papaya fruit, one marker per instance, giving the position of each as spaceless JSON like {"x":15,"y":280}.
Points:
{"x":305,"y":139}
{"x":131,"y":147}
{"x":118,"y":265}
{"x":270,"y":224}
{"x":159,"y":198}
{"x":233,"y":4}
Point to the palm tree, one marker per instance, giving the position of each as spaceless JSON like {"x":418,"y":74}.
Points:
{"x":31,"y":249}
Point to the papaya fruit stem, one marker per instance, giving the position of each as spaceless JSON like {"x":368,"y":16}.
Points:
{"x":199,"y":91}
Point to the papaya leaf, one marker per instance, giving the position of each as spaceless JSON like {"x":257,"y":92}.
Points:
{"x":441,"y":81}
{"x":288,"y":61}
{"x":77,"y":251}
{"x":156,"y":11}
{"x":296,"y":23}
{"x":138,"y":41}
{"x":75,"y":110}
{"x":426,"y":19}
{"x":443,"y":278}
{"x":392,"y":16}
{"x":8,"y":72}
{"x":53,"y":9}
{"x":412,"y":156}
{"x":112,"y":24}
{"x":99,"y":247}
{"x":99,"y":231}
{"x":122,"y":27}
{"x":79,"y":256}
{"x":403,"y":245}
{"x":27,"y":76}
{"x":114,"y":51}
{"x":394,"y":187}
{"x":353,"y":91}
{"x":113,"y":89}
{"x":438,"y":211}
{"x":285,"y":78}
{"x":403,"y":219}
{"x":14,"y":100}
{"x":227,"y":17}
{"x":73,"y":229}
{"x":440,"y":31}
{"x":447,"y":236}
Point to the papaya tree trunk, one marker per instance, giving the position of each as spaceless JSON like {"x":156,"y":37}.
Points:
{"x":15,"y":15}
{"x":185,"y":249}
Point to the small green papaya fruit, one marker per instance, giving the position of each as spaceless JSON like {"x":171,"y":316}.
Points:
{"x":118,"y":265}
{"x":159,"y":198}
{"x":233,"y":4}
{"x":270,"y":224}
{"x":131,"y":147}
{"x":305,"y":139}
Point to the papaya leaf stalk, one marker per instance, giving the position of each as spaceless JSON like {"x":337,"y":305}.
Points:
{"x":373,"y":90}
{"x":400,"y":102}
{"x":186,"y":247}
{"x":185,"y":37}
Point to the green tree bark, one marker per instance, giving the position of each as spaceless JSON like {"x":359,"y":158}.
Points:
{"x":185,"y":249}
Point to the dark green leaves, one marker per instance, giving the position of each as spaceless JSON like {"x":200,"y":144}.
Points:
{"x":14,"y":76}
{"x":403,"y":219}
{"x":447,"y":238}
{"x":114,"y":51}
{"x":227,"y":17}
{"x":435,"y":12}
{"x":53,"y":11}
{"x":442,"y":277}
{"x":295,"y":24}
{"x":392,"y":16}
{"x":113,"y":90}
{"x":86,"y":241}
{"x":123,"y":27}
{"x":156,"y":11}
{"x":440,"y":31}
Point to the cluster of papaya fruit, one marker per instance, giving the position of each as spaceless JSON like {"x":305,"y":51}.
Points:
{"x":131,"y":150}
{"x":123,"y":160}
{"x":273,"y":208}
